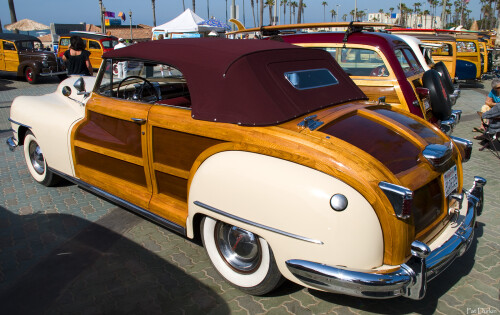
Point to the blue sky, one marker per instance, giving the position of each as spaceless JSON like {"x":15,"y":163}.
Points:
{"x":70,"y":11}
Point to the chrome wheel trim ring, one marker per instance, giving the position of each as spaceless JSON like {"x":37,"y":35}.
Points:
{"x":36,"y":157}
{"x":239,"y":248}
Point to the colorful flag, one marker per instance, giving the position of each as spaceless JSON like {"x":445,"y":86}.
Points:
{"x":122,"y":16}
{"x":109,"y":14}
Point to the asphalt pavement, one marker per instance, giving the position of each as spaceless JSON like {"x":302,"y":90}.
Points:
{"x":66,"y":251}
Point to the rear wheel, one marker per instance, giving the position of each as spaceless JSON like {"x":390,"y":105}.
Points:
{"x":30,"y":75}
{"x":36,"y":163}
{"x":242,"y":258}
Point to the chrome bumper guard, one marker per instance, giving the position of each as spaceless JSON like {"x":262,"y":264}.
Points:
{"x":12,"y":144}
{"x":448,"y":125}
{"x":412,"y":277}
{"x":454,"y":96}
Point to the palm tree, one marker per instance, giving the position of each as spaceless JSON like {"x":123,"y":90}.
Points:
{"x":416,"y":7}
{"x":301,"y":7}
{"x":261,"y":13}
{"x":392,"y":10}
{"x":284,"y":3}
{"x":252,"y":4}
{"x":270,"y":4}
{"x":426,"y":13}
{"x":301,"y":10}
{"x":13,"y":17}
{"x":344,"y":17}
{"x":154,"y":13}
{"x":324,"y":4}
{"x":294,"y":5}
{"x":333,"y":13}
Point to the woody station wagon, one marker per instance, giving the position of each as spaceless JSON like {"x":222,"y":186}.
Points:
{"x":271,"y":154}
{"x":24,"y":55}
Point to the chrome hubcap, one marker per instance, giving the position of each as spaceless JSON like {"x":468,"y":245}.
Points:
{"x":36,"y":157}
{"x":238,"y":247}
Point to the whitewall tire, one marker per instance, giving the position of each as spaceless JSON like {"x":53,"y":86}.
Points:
{"x":36,"y":163}
{"x":242,"y":258}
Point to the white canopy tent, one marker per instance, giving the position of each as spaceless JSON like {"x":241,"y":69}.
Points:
{"x":185,"y":25}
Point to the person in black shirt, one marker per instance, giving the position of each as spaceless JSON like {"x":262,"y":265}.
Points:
{"x":77,"y":58}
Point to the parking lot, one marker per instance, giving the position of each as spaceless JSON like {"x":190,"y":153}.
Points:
{"x":66,"y":251}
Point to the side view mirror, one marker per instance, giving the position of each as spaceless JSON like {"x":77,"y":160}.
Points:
{"x":80,"y":85}
{"x":66,"y":91}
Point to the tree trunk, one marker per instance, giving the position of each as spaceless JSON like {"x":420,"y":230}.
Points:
{"x":253,"y":12}
{"x":13,"y":18}
{"x":299,"y":14}
{"x":261,"y":14}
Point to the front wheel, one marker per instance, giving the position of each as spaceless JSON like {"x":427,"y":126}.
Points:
{"x":36,"y":163}
{"x":242,"y":258}
{"x":30,"y":75}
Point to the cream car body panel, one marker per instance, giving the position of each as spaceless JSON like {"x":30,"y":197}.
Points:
{"x":261,"y":186}
{"x":415,"y":43}
{"x":54,"y":138}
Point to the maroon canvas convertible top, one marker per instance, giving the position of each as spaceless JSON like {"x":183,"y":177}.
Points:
{"x":243,"y":81}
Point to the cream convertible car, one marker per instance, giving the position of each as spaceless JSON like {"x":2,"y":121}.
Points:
{"x":271,"y":154}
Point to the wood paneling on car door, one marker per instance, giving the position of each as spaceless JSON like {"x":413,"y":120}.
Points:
{"x":173,"y":155}
{"x":110,"y":148}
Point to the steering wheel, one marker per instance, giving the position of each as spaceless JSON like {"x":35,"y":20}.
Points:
{"x":380,"y":71}
{"x":141,"y":89}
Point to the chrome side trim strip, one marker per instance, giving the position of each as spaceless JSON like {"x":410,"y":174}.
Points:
{"x":18,"y":123}
{"x":298,"y":237}
{"x":124,"y":204}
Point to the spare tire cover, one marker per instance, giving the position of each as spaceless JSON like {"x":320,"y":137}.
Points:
{"x":440,"y":102}
{"x":445,"y":77}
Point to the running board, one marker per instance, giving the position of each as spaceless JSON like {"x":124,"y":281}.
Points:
{"x":124,"y":204}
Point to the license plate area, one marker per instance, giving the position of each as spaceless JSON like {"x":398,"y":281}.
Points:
{"x":450,"y":179}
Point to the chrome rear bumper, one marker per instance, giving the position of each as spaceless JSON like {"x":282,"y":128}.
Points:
{"x":412,"y":277}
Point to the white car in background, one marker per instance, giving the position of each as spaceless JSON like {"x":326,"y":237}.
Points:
{"x":423,"y":52}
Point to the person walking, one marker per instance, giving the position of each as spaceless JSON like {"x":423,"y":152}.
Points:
{"x":122,"y":66}
{"x":77,"y":58}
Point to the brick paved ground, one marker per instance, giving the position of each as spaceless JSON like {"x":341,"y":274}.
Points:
{"x":65,"y":251}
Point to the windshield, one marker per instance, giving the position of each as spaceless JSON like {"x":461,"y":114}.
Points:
{"x":28,"y":45}
{"x":359,"y":61}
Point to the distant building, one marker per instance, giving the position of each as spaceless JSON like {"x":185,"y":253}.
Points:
{"x":412,"y":20}
{"x":140,"y":32}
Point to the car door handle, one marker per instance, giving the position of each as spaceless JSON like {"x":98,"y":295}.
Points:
{"x":139,"y":121}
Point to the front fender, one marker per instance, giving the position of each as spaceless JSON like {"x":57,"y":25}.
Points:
{"x":465,"y":70}
{"x":280,"y":200}
{"x":50,"y":117}
{"x":35,"y":65}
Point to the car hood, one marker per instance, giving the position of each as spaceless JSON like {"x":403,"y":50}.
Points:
{"x":38,"y":54}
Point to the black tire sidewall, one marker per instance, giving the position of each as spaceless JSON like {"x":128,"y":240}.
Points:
{"x":34,"y":78}
{"x":445,"y":76}
{"x":440,"y":102}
